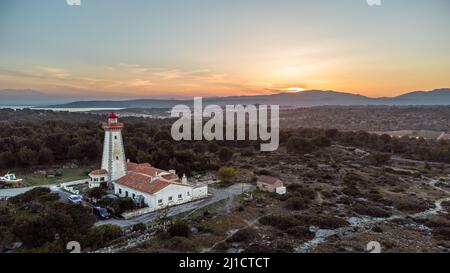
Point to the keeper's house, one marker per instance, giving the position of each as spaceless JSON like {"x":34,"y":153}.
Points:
{"x":157,"y":188}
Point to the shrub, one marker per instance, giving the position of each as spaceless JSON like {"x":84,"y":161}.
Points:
{"x":139,"y":227}
{"x":263,"y":172}
{"x":29,"y":196}
{"x":412,"y":205}
{"x":225,"y":154}
{"x":180,"y":244}
{"x":118,"y":206}
{"x":279,"y":222}
{"x":379,"y":158}
{"x":377,"y":229}
{"x":296,"y":203}
{"x":179,"y":229}
{"x":300,"y":232}
{"x":371,"y":210}
{"x":96,"y":193}
{"x":99,"y":237}
{"x":351,"y":191}
{"x":227,"y":174}
{"x":321,"y":221}
{"x":243,"y":235}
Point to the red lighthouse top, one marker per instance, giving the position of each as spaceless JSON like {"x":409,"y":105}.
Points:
{"x":112,"y":122}
{"x":113,"y":115}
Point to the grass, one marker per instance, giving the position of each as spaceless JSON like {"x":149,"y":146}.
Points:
{"x":32,"y":179}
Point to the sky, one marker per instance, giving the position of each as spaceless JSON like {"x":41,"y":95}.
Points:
{"x":182,"y":48}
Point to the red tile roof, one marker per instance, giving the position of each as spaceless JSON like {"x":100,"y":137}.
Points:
{"x":139,"y":177}
{"x":99,"y":172}
{"x":144,"y":168}
{"x":142,"y":183}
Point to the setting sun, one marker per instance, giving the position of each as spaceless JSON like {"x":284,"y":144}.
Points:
{"x":294,"y":89}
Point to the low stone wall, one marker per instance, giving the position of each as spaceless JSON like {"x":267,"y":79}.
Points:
{"x":136,"y":213}
{"x":68,"y":186}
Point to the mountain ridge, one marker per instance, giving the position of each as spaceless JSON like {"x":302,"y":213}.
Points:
{"x":307,"y":98}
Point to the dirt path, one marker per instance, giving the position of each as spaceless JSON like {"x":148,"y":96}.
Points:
{"x":232,"y":232}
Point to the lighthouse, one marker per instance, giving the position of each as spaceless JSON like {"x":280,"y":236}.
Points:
{"x":113,"y":158}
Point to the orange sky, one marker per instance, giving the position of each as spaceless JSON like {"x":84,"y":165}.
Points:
{"x":180,"y":49}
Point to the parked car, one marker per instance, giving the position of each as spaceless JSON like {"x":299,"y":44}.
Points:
{"x":75,"y":199}
{"x":101,"y":213}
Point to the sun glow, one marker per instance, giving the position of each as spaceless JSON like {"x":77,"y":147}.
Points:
{"x":294,"y":89}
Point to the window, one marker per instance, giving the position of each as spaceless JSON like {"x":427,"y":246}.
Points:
{"x":117,"y":158}
{"x":180,"y":196}
{"x":134,"y":195}
{"x":120,"y":191}
{"x":160,"y":201}
{"x":126,"y":193}
{"x":188,"y":194}
{"x":115,"y":137}
{"x":102,"y":179}
{"x":170,"y":198}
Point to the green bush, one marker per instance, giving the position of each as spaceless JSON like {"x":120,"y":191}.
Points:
{"x":99,"y":237}
{"x":371,"y":210}
{"x":279,"y":222}
{"x":296,"y":203}
{"x":243,"y":235}
{"x":179,"y":229}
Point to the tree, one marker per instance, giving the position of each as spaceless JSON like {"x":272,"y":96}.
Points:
{"x":199,"y":148}
{"x":322,"y":141}
{"x":225,"y":154}
{"x":27,"y":156}
{"x":227,"y":174}
{"x":299,"y":145}
{"x":45,"y":156}
{"x":162,"y":135}
{"x":379,"y":158}
{"x":296,"y":203}
{"x":213,"y":147}
{"x":7,"y":160}
{"x":96,"y":193}
{"x":100,"y":236}
{"x":179,"y":228}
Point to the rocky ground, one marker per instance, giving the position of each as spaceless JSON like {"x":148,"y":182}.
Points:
{"x":337,"y":201}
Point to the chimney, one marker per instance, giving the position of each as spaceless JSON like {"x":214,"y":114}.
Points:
{"x":172,"y":172}
{"x":184,"y":179}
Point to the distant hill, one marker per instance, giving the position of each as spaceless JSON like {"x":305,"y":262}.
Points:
{"x":307,"y":98}
{"x":27,"y":97}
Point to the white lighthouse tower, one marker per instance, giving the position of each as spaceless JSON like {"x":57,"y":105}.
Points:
{"x":113,"y":159}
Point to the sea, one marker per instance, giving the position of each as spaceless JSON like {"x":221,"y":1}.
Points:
{"x":58,"y":109}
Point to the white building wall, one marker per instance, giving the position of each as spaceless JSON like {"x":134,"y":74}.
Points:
{"x":188,"y":194}
{"x":200,"y":192}
{"x":105,"y":155}
{"x":173,"y":191}
{"x":122,"y":191}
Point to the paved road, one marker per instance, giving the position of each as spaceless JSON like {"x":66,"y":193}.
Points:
{"x":8,"y":193}
{"x":217,"y":195}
